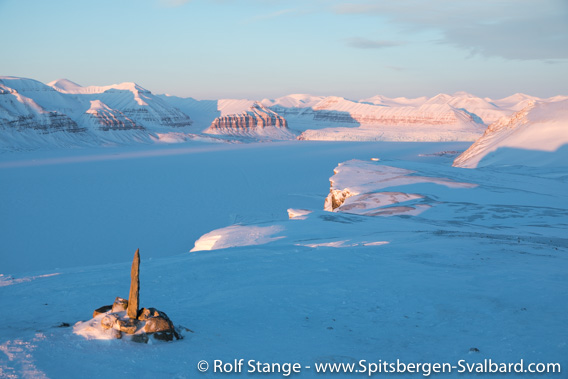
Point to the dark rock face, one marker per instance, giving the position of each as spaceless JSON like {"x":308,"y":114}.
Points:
{"x":44,"y":123}
{"x":134,"y":297}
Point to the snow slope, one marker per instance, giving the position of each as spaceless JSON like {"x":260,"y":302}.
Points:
{"x":480,"y":274}
{"x":540,"y":128}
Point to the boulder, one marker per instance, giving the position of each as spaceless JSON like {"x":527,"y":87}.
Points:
{"x":146,"y":313}
{"x":119,"y":304}
{"x":101,"y":310}
{"x":127,"y":326}
{"x":140,"y":338}
{"x":109,"y":320}
{"x":158,"y":324}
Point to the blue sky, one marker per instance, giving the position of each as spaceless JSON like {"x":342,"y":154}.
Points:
{"x":256,"y":49}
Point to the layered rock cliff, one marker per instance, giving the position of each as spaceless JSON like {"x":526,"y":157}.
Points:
{"x":104,"y":118}
{"x":256,"y":118}
{"x":19,"y":113}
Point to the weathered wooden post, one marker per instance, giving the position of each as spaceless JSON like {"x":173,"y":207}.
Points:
{"x":134,"y":296}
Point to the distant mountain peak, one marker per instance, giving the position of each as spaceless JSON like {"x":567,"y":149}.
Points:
{"x":64,"y":85}
{"x":68,"y":86}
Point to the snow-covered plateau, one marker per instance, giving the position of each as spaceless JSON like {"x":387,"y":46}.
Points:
{"x":428,"y":249}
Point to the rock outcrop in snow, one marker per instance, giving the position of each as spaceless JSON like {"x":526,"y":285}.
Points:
{"x":357,"y":187}
{"x":257,"y":117}
{"x":255,"y":120}
{"x":125,"y":319}
{"x":538,"y":129}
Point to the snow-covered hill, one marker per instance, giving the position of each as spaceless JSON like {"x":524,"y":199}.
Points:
{"x":533,"y":136}
{"x":82,"y":116}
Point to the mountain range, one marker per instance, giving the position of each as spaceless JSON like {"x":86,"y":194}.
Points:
{"x":64,"y":114}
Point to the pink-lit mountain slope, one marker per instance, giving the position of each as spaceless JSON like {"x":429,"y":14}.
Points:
{"x":536,"y":135}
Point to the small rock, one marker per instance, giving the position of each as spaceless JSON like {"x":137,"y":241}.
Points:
{"x":63,"y":325}
{"x":140,"y":338}
{"x":127,"y":326}
{"x":101,"y":310}
{"x":158,"y":324}
{"x":109,"y":320}
{"x":165,"y":336}
{"x":474,"y":350}
{"x":146,"y":313}
{"x":119,"y":304}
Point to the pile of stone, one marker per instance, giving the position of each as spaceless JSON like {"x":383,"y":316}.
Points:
{"x":124,"y":319}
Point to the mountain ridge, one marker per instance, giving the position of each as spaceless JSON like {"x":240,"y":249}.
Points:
{"x":134,"y":114}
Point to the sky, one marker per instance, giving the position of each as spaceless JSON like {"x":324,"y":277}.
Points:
{"x":211,"y":49}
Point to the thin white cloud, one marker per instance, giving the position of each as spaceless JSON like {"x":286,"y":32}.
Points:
{"x":174,"y":3}
{"x":269,"y":16}
{"x":364,"y":43}
{"x":512,"y":29}
{"x":280,"y":13}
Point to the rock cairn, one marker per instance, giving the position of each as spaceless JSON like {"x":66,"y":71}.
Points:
{"x":124,"y":318}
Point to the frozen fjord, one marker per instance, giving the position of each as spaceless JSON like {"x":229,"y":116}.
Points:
{"x":483,"y":267}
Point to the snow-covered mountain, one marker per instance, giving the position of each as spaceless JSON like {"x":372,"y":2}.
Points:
{"x":27,"y":104}
{"x":443,"y":117}
{"x":135,"y":102}
{"x":63,"y":114}
{"x":257,"y":120}
{"x":81,"y":116}
{"x":540,"y":129}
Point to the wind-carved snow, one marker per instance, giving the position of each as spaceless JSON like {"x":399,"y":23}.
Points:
{"x":298,"y":214}
{"x":540,"y":127}
{"x":356,"y":188}
{"x":237,"y":235}
{"x":8,"y":280}
{"x":342,"y":243}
